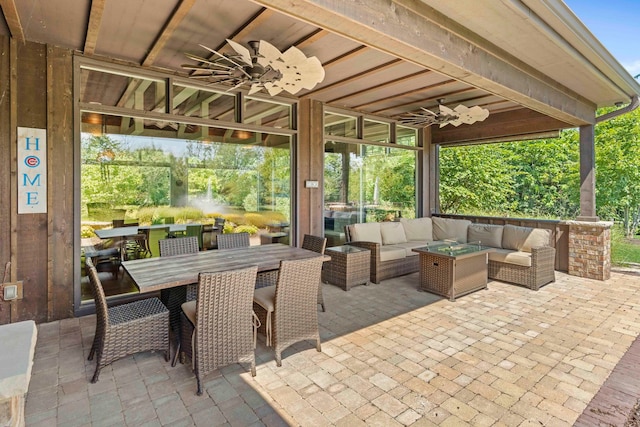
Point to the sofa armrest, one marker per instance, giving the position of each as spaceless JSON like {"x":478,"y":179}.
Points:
{"x":543,"y":257}
{"x":372,"y":246}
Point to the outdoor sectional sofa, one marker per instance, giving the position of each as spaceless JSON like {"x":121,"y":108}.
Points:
{"x":522,"y":255}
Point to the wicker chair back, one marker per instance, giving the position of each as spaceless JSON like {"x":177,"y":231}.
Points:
{"x":233,"y":240}
{"x":224,"y":330}
{"x":295,"y":316}
{"x":316,"y":244}
{"x":178,"y":246}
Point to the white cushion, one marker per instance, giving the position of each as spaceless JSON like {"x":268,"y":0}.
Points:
{"x":418,"y":228}
{"x":486,"y":234}
{"x":411,"y":245}
{"x":367,"y":232}
{"x":511,"y":257}
{"x":524,"y":238}
{"x":189,"y":309}
{"x":265,"y":297}
{"x":388,"y":253}
{"x":450,"y":229}
{"x":392,"y":233}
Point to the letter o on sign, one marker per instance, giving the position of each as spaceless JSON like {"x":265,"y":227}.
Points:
{"x":32,"y":161}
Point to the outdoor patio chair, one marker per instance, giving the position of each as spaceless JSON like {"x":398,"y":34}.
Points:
{"x":126,"y":329}
{"x":219,"y":327}
{"x":316,"y":244}
{"x":289,"y":309}
{"x":174,"y":297}
{"x":233,"y":240}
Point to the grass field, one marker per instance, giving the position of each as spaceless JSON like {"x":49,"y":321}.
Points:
{"x":624,"y":252}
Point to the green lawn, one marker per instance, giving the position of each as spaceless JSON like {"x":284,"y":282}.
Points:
{"x":624,"y":251}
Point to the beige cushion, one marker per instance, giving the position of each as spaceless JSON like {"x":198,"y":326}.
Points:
{"x":392,"y":233}
{"x":511,"y":257}
{"x":418,"y":228}
{"x":389,"y":253}
{"x":486,"y":234}
{"x":367,"y":232}
{"x":189,"y":309}
{"x":450,"y":229}
{"x":524,"y":238}
{"x":408,"y":246}
{"x":265,"y":297}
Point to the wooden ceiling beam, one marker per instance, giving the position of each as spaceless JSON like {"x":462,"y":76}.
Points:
{"x":168,"y":29}
{"x":389,"y":83}
{"x":354,"y":77}
{"x":345,"y":56}
{"x":311,"y":38}
{"x":10,"y":13}
{"x":409,"y":92}
{"x":93,"y":28}
{"x":415,"y":32}
{"x":252,"y":23}
{"x":519,"y":121}
{"x":431,"y":98}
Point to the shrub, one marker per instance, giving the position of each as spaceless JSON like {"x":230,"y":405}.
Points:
{"x":251,"y":229}
{"x":87,"y":231}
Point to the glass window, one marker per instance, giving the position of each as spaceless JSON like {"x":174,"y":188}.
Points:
{"x":267,"y":113}
{"x":340,"y":125}
{"x":366,"y":183}
{"x":376,"y":131}
{"x":406,"y":136}
{"x":207,"y":104}
{"x":176,"y":173}
{"x":122,"y":90}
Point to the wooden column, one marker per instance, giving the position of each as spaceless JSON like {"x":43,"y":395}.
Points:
{"x":6,"y":162}
{"x":587,"y":175}
{"x":309,"y":167}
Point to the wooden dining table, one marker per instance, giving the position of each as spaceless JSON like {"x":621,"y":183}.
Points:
{"x":154,"y":274}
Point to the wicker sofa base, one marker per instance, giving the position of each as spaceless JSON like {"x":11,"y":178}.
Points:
{"x":541,"y":272}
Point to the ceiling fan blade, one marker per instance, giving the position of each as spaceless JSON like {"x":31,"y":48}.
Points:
{"x":268,"y":54}
{"x":428,"y":111}
{"x":446,"y":110}
{"x":255,"y":88}
{"x":272,"y":88}
{"x":244,"y":53}
{"x":221,"y":58}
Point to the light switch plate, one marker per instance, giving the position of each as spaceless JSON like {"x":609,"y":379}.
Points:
{"x":10,"y":292}
{"x":311,"y":184}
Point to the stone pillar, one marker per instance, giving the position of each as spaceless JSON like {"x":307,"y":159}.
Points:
{"x":590,"y":249}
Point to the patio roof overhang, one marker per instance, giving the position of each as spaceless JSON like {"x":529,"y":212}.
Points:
{"x":531,"y":63}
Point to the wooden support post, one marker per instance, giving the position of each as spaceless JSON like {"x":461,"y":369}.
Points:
{"x":587,"y":175}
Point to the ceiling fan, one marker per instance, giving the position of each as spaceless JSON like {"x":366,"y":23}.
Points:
{"x":261,"y":67}
{"x":446,"y":116}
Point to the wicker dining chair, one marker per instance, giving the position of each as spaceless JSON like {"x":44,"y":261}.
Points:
{"x":174,"y":297}
{"x":316,"y":244}
{"x":289,"y":309}
{"x":218,"y":328}
{"x":233,"y":240}
{"x":126,"y":329}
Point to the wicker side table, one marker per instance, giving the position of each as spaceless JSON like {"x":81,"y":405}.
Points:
{"x":349,"y":266}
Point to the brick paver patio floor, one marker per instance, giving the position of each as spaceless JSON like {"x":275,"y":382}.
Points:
{"x":391,"y":355}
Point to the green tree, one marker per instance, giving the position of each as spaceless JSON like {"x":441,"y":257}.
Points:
{"x":618,"y":169}
{"x":475,"y":178}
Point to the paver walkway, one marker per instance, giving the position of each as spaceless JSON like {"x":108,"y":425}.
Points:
{"x":391,"y":355}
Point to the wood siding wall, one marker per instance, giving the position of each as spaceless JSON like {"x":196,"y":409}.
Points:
{"x":36,"y":91}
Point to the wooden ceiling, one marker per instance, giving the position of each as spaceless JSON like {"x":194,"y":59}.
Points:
{"x":156,"y":34}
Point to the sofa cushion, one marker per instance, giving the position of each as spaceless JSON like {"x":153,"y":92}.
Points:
{"x":486,"y":234}
{"x":390,"y":253}
{"x":524,"y":238}
{"x":392,"y":233}
{"x":411,"y":245}
{"x":367,"y":232}
{"x":511,"y":257}
{"x":418,"y":228}
{"x":450,"y":229}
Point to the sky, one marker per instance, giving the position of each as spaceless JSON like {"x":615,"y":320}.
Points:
{"x":616,"y":23}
